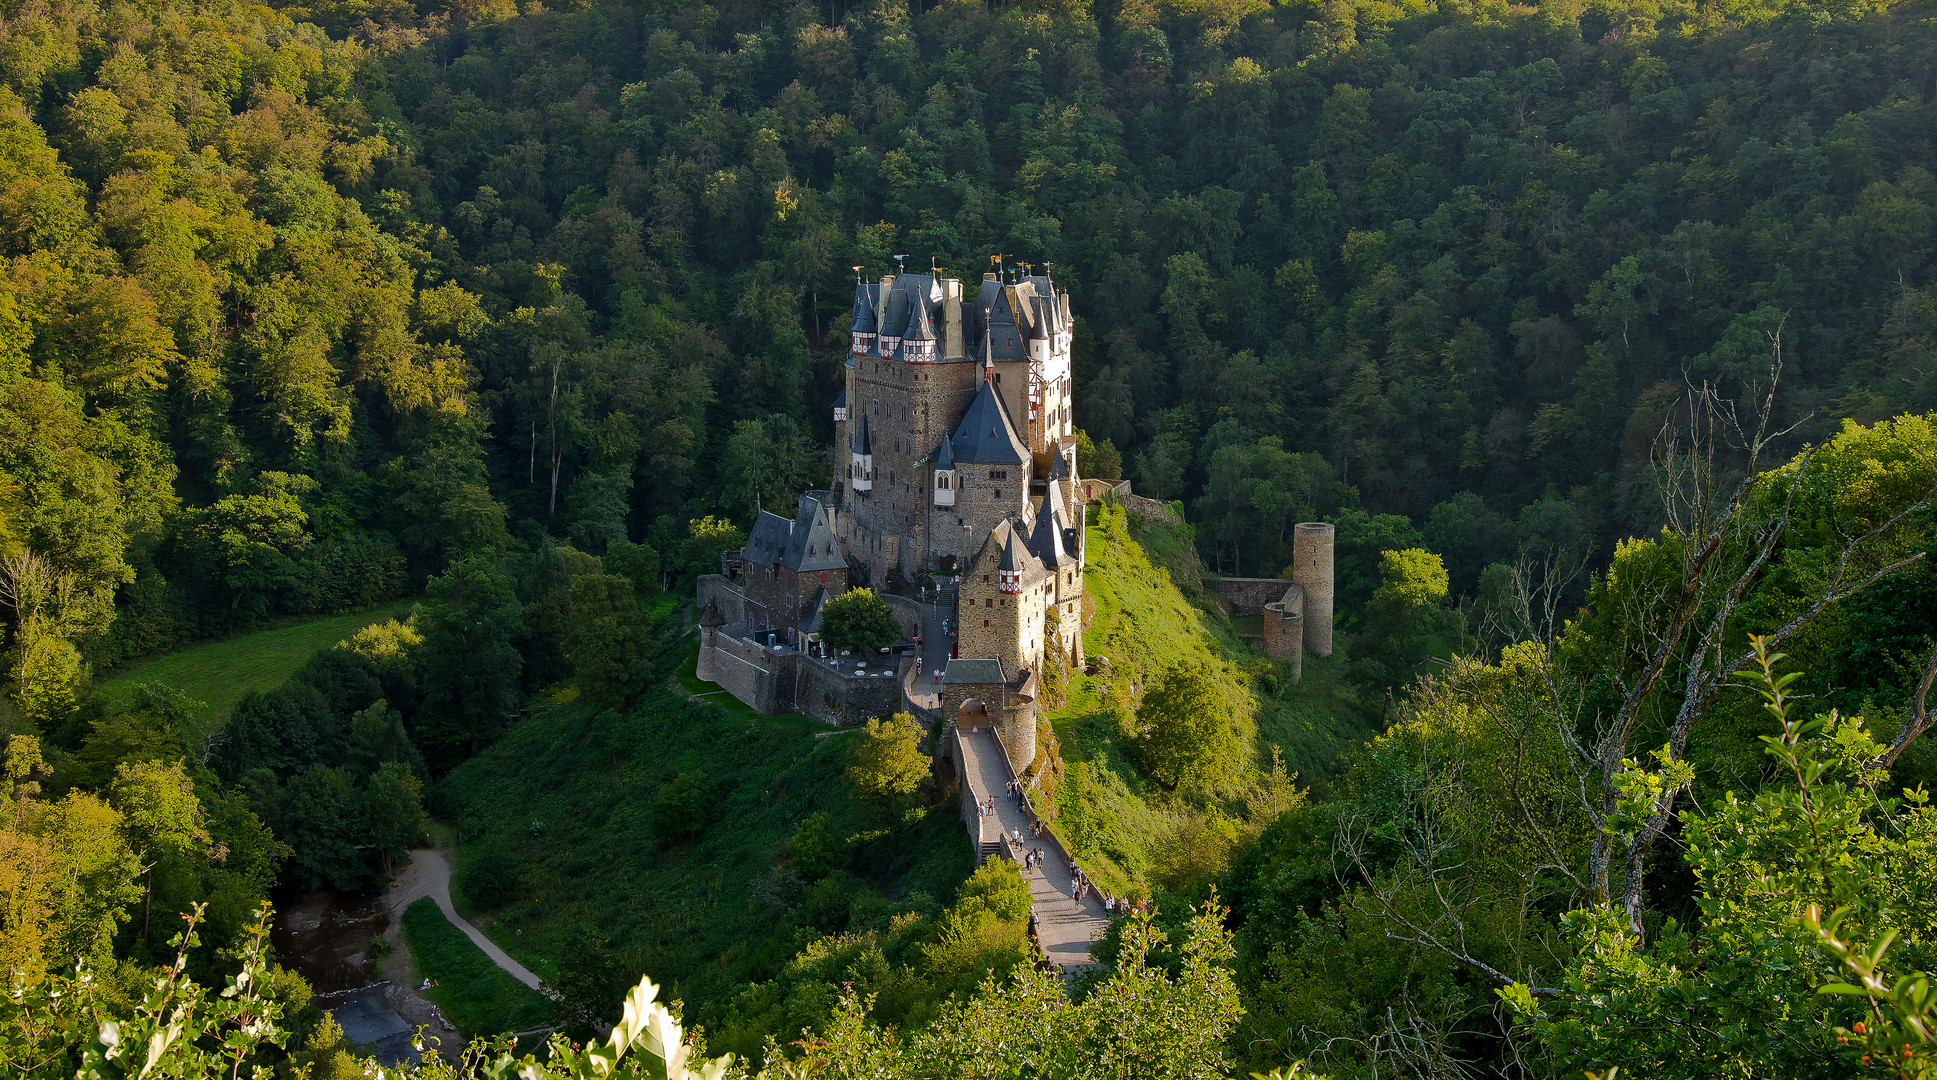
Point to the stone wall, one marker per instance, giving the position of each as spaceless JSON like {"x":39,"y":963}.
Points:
{"x":1284,"y":630}
{"x":784,"y":681}
{"x":750,"y":672}
{"x":723,"y":593}
{"x":1249,"y":595}
{"x":907,"y":612}
{"x":825,"y":694}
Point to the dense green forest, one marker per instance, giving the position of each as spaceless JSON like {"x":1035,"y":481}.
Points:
{"x":524,"y":310}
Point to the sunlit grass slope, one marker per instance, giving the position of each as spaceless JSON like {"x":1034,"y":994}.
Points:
{"x":1150,"y":615}
{"x":220,"y":673}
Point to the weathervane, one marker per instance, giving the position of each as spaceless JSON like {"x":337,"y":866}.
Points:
{"x":901,"y":264}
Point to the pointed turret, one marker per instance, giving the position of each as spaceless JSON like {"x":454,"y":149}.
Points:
{"x":918,"y":346}
{"x":1047,"y":538}
{"x":862,"y":330}
{"x":1008,"y":575}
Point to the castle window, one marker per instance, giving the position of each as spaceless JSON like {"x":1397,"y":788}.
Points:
{"x":988,"y":603}
{"x":985,"y":579}
{"x":998,"y":474}
{"x":941,"y":482}
{"x":985,"y":624}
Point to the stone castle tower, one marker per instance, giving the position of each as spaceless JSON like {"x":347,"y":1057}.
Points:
{"x":960,"y":462}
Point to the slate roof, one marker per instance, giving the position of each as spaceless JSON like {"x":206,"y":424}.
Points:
{"x":985,"y":436}
{"x":863,"y":442}
{"x":804,"y":544}
{"x":866,"y":296}
{"x":1012,"y":561}
{"x":945,"y":457}
{"x":812,"y":623}
{"x":1048,"y":541}
{"x":974,"y":673}
{"x":920,"y":328}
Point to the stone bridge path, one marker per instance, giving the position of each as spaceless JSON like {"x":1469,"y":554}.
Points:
{"x":1064,"y":927}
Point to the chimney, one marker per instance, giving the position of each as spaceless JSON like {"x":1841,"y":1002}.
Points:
{"x":952,"y":318}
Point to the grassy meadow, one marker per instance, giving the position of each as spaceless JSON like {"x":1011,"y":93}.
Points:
{"x":219,"y":673}
{"x":474,"y":993}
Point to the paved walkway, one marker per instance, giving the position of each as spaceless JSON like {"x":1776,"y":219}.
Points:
{"x":429,"y":874}
{"x":923,"y":690}
{"x":1064,"y":927}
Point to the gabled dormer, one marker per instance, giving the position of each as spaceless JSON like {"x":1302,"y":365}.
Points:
{"x":919,"y":345}
{"x":894,"y":319}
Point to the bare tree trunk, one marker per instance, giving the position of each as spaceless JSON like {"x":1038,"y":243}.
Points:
{"x":551,"y":421}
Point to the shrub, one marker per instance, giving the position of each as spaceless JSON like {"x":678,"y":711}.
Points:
{"x":683,"y":805}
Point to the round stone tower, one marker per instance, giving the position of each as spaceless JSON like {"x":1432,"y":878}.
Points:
{"x":710,"y":622}
{"x":1016,"y":727}
{"x":1311,"y":566}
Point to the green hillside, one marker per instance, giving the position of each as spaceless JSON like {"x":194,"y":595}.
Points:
{"x":1150,"y":616}
{"x":561,"y":841}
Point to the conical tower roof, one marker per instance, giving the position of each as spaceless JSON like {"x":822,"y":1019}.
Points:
{"x":1047,"y":539}
{"x":863,"y":442}
{"x":919,"y":326}
{"x":985,"y":436}
{"x":863,"y":309}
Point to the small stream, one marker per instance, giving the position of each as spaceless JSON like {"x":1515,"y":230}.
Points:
{"x":325,"y":937}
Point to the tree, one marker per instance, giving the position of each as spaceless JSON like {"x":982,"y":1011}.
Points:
{"x":598,"y":504}
{"x":858,"y":619}
{"x":248,"y":540}
{"x":470,"y":665}
{"x":609,"y":644}
{"x":816,"y":847}
{"x":324,"y":819}
{"x":394,"y":811}
{"x":1735,"y":993}
{"x":1097,"y":459}
{"x":161,"y":819}
{"x":377,"y":738}
{"x":886,"y":768}
{"x":638,"y":564}
{"x":683,"y":805}
{"x":1186,"y":738}
{"x":707,"y":539}
{"x":1407,"y":615}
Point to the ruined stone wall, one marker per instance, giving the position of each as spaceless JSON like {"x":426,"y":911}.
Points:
{"x":1284,"y":630}
{"x":1249,"y":595}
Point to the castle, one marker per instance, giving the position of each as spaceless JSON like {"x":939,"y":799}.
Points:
{"x":959,"y":475}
